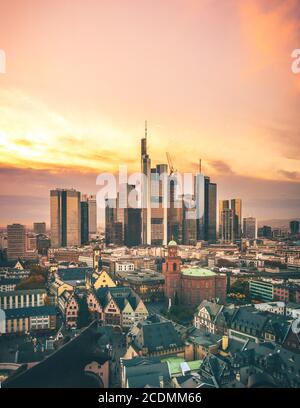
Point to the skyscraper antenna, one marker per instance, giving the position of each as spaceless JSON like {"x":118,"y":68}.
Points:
{"x":200,"y":166}
{"x":145,"y":129}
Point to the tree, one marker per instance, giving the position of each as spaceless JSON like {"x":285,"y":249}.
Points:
{"x":240,"y":286}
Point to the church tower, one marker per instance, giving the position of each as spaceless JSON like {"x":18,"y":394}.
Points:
{"x":97,"y":261}
{"x":172,"y":273}
{"x":97,"y":267}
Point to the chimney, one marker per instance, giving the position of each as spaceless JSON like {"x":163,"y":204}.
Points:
{"x":225,"y":343}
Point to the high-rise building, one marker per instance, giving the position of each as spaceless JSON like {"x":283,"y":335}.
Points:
{"x":158,"y":207}
{"x":236,"y":206}
{"x":201,"y":198}
{"x":146,"y":191}
{"x":16,"y":241}
{"x":39,"y":227}
{"x":92,"y":213}
{"x":230,"y":220}
{"x":294,"y":227}
{"x":223,"y":205}
{"x":65,"y":217}
{"x":227,"y":225}
{"x":110,"y":219}
{"x":206,"y":208}
{"x":189,"y":221}
{"x":133,"y":229}
{"x":132,"y":220}
{"x":212,"y":213}
{"x":265,"y":232}
{"x":249,"y":228}
{"x":175,"y":212}
{"x":84,"y":216}
{"x":92,"y":203}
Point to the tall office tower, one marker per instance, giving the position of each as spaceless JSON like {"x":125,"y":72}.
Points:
{"x":39,"y":227}
{"x":16,"y":241}
{"x":212,"y":212}
{"x":294,"y":227}
{"x":175,"y":212}
{"x":92,"y":203}
{"x":227,"y":225}
{"x":110,"y":219}
{"x":84,"y":216}
{"x":223,"y":205}
{"x":189,"y":223}
{"x":206,"y":201}
{"x":159,"y":223}
{"x":236,"y":206}
{"x":92,"y":213}
{"x":132,"y":220}
{"x":201,"y":198}
{"x":146,"y":191}
{"x":65,"y":218}
{"x":249,"y":228}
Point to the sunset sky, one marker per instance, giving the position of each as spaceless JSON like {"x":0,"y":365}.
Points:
{"x":213,"y":78}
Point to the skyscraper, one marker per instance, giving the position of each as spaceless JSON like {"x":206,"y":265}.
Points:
{"x":84,"y":215}
{"x":146,"y":191}
{"x":249,"y":228}
{"x":189,"y":221}
{"x":175,"y":212}
{"x":16,"y":241}
{"x":294,"y":227}
{"x":158,"y":209}
{"x":132,"y":221}
{"x":236,"y":206}
{"x":65,"y":217}
{"x":92,"y":213}
{"x":206,"y":197}
{"x":92,"y":204}
{"x":230,"y":220}
{"x":212,"y":213}
{"x":223,"y":205}
{"x":227,"y":225}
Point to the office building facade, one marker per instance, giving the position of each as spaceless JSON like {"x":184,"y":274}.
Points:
{"x":16,"y":241}
{"x":249,"y":228}
{"x":84,"y":215}
{"x":65,"y":215}
{"x":230,"y":220}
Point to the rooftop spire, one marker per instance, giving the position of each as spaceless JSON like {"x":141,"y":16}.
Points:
{"x":145,"y":129}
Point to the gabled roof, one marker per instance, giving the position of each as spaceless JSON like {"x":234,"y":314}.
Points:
{"x":120,"y":294}
{"x":212,"y":308}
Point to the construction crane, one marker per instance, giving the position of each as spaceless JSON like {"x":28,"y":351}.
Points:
{"x":171,"y":167}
